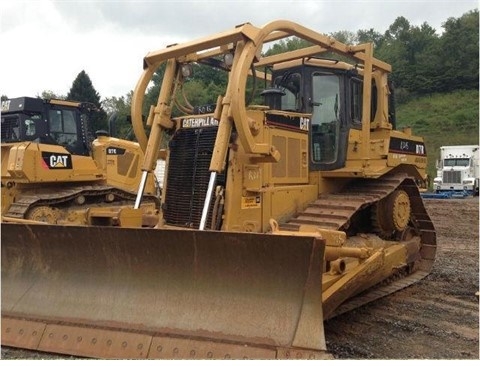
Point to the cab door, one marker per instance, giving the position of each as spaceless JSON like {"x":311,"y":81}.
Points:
{"x":328,"y":126}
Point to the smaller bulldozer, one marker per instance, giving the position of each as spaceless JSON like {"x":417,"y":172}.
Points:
{"x":52,"y":172}
{"x":288,"y":200}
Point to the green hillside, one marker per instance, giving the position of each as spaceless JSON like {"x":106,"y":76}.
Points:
{"x":442,"y":119}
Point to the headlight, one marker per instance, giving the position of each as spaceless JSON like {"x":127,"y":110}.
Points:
{"x":228,"y":59}
{"x":187,"y":70}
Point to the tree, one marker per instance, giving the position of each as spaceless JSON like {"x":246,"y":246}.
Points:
{"x":345,"y":36}
{"x":289,"y":44}
{"x":203,"y":87}
{"x":48,"y":94}
{"x":458,"y":53}
{"x":152,"y":93}
{"x":408,"y":49}
{"x":422,"y":61}
{"x":370,"y":35}
{"x":119,"y":111}
{"x":82,"y":90}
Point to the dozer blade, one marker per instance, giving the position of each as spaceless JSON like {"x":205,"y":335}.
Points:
{"x":173,"y":294}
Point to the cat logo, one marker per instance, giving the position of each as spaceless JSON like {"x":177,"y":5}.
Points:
{"x":57,"y":161}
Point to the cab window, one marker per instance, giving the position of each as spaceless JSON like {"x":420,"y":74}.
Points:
{"x":325,"y":119}
{"x":356,"y":102}
{"x":290,"y":84}
{"x":63,"y":127}
{"x":33,"y":126}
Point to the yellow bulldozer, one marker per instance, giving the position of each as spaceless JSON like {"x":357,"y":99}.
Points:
{"x":53,"y":173}
{"x":275,"y":215}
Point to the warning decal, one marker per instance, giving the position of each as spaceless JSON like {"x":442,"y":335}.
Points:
{"x":251,"y":202}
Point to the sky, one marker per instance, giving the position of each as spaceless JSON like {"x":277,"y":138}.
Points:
{"x":45,"y":44}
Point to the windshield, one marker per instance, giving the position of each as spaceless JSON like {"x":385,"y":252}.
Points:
{"x":457,"y":162}
{"x":63,"y":128}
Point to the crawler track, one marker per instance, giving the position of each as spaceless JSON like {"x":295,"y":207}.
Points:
{"x":337,"y":211}
{"x":65,"y":199}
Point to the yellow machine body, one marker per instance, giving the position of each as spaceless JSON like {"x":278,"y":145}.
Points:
{"x":57,"y":182}
{"x":274,"y":216}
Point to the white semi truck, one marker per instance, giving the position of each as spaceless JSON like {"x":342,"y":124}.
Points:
{"x":457,"y":169}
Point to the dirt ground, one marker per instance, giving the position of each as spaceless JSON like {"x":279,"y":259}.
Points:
{"x":436,"y":318}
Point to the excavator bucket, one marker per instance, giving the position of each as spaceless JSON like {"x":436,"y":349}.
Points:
{"x":126,"y":293}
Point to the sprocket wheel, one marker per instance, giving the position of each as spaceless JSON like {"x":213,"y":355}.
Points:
{"x":391,"y":214}
{"x":43,"y":214}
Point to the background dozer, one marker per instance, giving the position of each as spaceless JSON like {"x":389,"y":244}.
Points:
{"x":275,"y":215}
{"x":52,"y":172}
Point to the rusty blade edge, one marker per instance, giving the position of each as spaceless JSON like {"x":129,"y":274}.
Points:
{"x":123,"y":344}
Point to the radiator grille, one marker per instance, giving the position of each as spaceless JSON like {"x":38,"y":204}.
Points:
{"x":188,"y":176}
{"x":452,"y":177}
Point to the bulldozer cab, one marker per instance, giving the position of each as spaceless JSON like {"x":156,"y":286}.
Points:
{"x":53,"y":122}
{"x":331,"y":94}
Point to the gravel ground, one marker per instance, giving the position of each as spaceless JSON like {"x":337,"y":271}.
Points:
{"x":436,"y":318}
